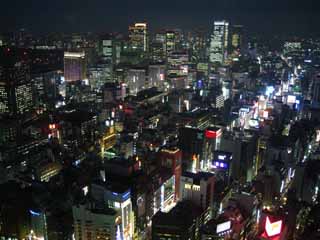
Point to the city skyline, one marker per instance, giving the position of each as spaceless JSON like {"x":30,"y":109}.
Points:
{"x":167,"y":120}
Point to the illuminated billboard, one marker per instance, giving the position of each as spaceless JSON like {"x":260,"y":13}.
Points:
{"x":273,"y":229}
{"x":220,"y":164}
{"x":221,"y":160}
{"x":213,"y":133}
{"x":222,"y":227}
{"x":291,"y":99}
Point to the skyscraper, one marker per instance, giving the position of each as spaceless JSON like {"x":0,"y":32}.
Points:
{"x":15,"y":89}
{"x":170,"y":42}
{"x":74,"y":66}
{"x":237,"y":37}
{"x":219,"y":42}
{"x":138,"y":37}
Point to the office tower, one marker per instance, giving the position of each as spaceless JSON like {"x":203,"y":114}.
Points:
{"x":199,"y":45}
{"x":171,"y":158}
{"x":182,"y":222}
{"x":171,"y":42}
{"x":219,"y":42}
{"x":138,"y":37}
{"x":15,"y":90}
{"x":178,"y":69}
{"x":45,"y":86}
{"x":38,"y":225}
{"x":75,"y":66}
{"x":136,"y":80}
{"x":198,"y":188}
{"x":157,"y":52}
{"x":243,"y":149}
{"x":107,"y":48}
{"x":156,"y":76}
{"x":118,"y":198}
{"x":178,"y":63}
{"x":237,"y":37}
{"x":316,"y":89}
{"x":107,"y":59}
{"x":191,"y":143}
{"x":92,"y":222}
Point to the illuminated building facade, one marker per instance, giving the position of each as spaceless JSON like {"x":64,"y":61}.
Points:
{"x":178,"y":63}
{"x":48,"y":171}
{"x":171,"y":158}
{"x":108,"y":140}
{"x":45,"y":86}
{"x":138,"y":37}
{"x":171,"y":40}
{"x":219,"y":42}
{"x":75,"y":66}
{"x":156,"y":76}
{"x":38,"y":225}
{"x":237,"y":37}
{"x":157,"y":52}
{"x":16,"y":96}
{"x":118,"y":199}
{"x":191,"y":144}
{"x":136,"y":80}
{"x":91,"y":222}
{"x":164,"y":196}
{"x":198,"y":188}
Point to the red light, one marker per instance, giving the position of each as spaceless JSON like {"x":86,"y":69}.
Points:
{"x":212,"y":134}
{"x":274,"y":228}
{"x":52,"y":126}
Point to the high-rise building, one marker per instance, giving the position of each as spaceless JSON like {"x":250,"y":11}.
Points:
{"x":198,"y":188}
{"x":171,"y":158}
{"x":219,"y":42}
{"x":156,"y":76}
{"x":107,"y":51}
{"x":316,"y":89}
{"x":75,"y":68}
{"x":171,"y":39}
{"x":237,"y":37}
{"x":199,"y":46}
{"x":45,"y":87}
{"x":138,"y":37}
{"x":136,"y":80}
{"x":15,"y":90}
{"x":157,"y":51}
{"x":118,"y":198}
{"x":91,"y":222}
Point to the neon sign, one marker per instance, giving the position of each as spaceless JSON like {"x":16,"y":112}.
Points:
{"x":213,"y":134}
{"x":273,"y":229}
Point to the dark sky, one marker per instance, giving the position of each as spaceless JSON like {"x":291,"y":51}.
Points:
{"x":290,"y":16}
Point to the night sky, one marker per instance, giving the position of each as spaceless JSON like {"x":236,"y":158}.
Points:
{"x":274,"y":16}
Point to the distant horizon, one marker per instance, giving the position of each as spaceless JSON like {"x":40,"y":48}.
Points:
{"x":291,"y":17}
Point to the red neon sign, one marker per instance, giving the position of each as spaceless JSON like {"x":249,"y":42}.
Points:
{"x":274,"y":228}
{"x":212,"y":134}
